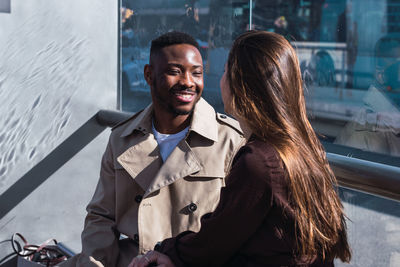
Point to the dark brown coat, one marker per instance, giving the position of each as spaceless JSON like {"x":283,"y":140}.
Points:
{"x":253,"y":224}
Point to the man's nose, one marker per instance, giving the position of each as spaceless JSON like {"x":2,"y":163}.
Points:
{"x":187,"y":80}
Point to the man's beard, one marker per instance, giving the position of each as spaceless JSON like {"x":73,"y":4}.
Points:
{"x":178,"y":112}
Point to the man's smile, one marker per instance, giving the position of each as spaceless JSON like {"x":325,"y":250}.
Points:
{"x":185,"y":96}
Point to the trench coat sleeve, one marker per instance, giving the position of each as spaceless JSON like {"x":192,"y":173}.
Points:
{"x":99,"y":237}
{"x":244,"y":205}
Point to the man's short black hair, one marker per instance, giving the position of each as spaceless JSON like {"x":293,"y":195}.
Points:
{"x":172,"y":38}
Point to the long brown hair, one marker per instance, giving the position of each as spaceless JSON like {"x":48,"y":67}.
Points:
{"x":267,"y":93}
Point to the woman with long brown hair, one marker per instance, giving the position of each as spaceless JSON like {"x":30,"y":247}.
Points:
{"x":279,"y":206}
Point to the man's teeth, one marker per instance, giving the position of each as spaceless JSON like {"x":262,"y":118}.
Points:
{"x":185,"y":96}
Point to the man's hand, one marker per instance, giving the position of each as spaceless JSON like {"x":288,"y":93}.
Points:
{"x":151,"y":258}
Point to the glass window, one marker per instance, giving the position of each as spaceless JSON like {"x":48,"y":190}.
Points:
{"x":349,"y":53}
{"x":5,"y":6}
{"x":213,"y":23}
{"x":373,"y":229}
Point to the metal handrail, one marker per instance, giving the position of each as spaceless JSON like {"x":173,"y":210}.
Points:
{"x":367,"y":176}
{"x":110,"y":118}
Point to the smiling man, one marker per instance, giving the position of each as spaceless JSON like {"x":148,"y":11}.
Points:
{"x":164,"y":167}
{"x":175,"y":76}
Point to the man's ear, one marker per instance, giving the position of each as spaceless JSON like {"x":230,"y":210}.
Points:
{"x":148,"y":74}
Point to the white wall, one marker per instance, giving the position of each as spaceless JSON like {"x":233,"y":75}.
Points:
{"x":58,"y":67}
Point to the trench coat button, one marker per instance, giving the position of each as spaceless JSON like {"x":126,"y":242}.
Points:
{"x":138,"y":198}
{"x":157,"y":247}
{"x":192,"y":207}
{"x":222,"y":116}
{"x":136,"y":237}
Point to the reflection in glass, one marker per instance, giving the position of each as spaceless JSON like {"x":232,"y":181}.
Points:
{"x":373,"y":228}
{"x":376,"y":126}
{"x":5,"y":6}
{"x":349,"y":55}
{"x":213,"y":23}
{"x":348,"y":52}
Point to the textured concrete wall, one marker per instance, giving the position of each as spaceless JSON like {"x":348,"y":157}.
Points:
{"x":58,"y":67}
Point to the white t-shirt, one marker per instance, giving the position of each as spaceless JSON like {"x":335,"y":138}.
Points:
{"x":167,"y":142}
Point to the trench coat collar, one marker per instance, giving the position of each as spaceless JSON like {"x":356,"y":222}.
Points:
{"x":142,"y":160}
{"x":141,"y":123}
{"x":181,"y":162}
{"x":203,"y":121}
{"x":144,"y":163}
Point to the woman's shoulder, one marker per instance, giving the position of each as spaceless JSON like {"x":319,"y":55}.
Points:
{"x":260,"y":151}
{"x":259,"y":157}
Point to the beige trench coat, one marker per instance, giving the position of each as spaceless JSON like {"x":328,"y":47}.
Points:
{"x":141,"y":198}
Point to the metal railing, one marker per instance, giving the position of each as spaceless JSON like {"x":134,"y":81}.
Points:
{"x":367,"y":176}
{"x":358,"y":174}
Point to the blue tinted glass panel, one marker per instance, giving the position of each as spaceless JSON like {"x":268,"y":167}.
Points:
{"x":213,"y":23}
{"x":349,"y":52}
{"x":5,"y":6}
{"x":373,"y":229}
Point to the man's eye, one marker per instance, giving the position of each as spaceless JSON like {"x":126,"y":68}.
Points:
{"x":198,"y":73}
{"x":173,"y":72}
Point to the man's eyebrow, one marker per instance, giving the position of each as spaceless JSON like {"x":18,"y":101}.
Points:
{"x":181,"y":66}
{"x":175,"y":65}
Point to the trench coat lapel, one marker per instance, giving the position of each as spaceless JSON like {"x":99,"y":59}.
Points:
{"x":142,"y":159}
{"x":181,"y":163}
